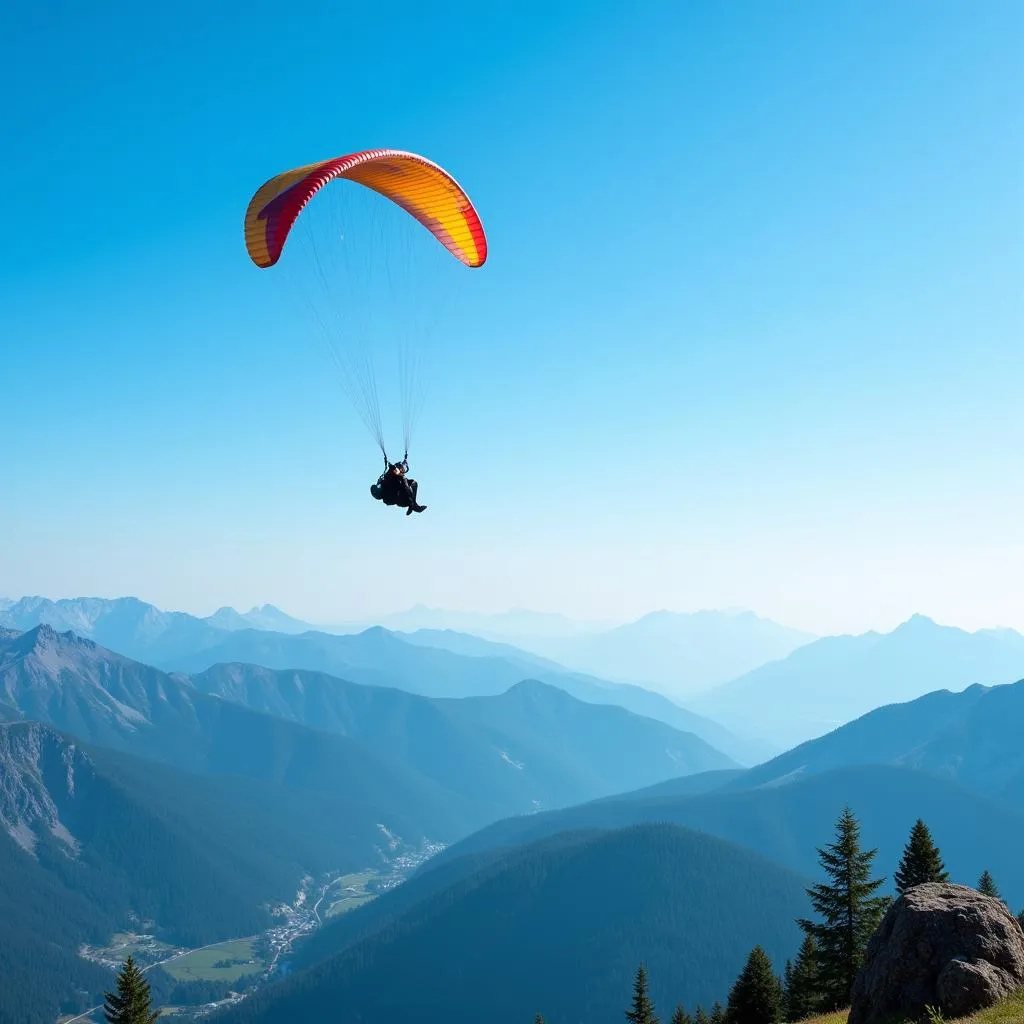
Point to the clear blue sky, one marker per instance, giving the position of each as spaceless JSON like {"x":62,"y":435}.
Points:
{"x":751,"y":332}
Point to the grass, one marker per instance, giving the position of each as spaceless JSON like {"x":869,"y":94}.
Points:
{"x":199,"y":965}
{"x":347,"y":903}
{"x":359,"y":880}
{"x":349,"y":892}
{"x":124,"y":943}
{"x":1009,"y":1011}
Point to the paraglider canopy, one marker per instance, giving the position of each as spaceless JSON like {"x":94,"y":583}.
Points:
{"x":421,"y":188}
{"x":335,"y":276}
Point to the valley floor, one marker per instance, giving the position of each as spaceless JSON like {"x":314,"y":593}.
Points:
{"x":252,"y":960}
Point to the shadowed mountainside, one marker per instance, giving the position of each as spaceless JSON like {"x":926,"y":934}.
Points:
{"x":556,"y":927}
{"x":788,"y":823}
{"x":973,"y":736}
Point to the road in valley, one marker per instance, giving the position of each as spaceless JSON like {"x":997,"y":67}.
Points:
{"x":300,"y":918}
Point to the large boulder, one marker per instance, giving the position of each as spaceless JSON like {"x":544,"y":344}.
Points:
{"x":946,"y":946}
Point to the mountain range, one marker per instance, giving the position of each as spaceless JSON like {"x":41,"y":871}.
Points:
{"x":433,"y":664}
{"x":836,"y":679}
{"x":126,"y":621}
{"x":180,"y":788}
{"x":504,"y":627}
{"x":949,"y":758}
{"x":533,"y":746}
{"x":677,"y":654}
{"x":107,"y":700}
{"x":973,"y":737}
{"x":555,"y":745}
{"x":264,"y":617}
{"x":376,"y":657}
{"x":954,"y":759}
{"x":193,"y":793}
{"x":811,"y":687}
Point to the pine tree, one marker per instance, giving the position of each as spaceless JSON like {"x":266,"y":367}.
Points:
{"x":987,"y":885}
{"x":538,"y":1019}
{"x":921,"y":861}
{"x":131,"y":1005}
{"x":700,"y":1017}
{"x":850,"y":912}
{"x":642,"y":1011}
{"x":717,"y":1013}
{"x":756,"y":998}
{"x":680,"y":1016}
{"x":802,"y":995}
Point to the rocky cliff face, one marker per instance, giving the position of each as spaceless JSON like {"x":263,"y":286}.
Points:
{"x":944,"y":946}
{"x":39,"y":772}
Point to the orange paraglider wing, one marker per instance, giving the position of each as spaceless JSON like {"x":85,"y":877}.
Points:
{"x":424,"y":190}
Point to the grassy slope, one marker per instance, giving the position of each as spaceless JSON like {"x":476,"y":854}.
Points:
{"x":1009,"y":1011}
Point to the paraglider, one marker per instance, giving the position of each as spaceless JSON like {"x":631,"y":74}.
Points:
{"x":395,"y":487}
{"x":431,"y":197}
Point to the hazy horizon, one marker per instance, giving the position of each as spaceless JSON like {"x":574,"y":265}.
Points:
{"x":207,"y":609}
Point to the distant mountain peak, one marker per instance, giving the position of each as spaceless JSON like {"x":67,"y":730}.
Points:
{"x":228,"y":619}
{"x":269,"y":617}
{"x":917,"y":620}
{"x":44,"y":673}
{"x":45,"y":637}
{"x":535,"y":687}
{"x":382,"y":636}
{"x":705,"y":614}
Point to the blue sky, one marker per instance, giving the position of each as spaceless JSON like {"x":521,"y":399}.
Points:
{"x":750,"y":333}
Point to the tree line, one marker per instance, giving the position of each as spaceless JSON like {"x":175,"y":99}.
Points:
{"x":821,"y":977}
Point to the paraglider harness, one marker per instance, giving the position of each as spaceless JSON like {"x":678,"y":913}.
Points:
{"x":392,"y":488}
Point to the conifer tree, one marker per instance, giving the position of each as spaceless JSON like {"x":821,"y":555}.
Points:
{"x":921,"y":861}
{"x":987,"y":885}
{"x":802,"y":995}
{"x":680,"y":1016}
{"x":538,"y":1019}
{"x":717,"y":1013}
{"x":756,"y":998}
{"x":1020,"y":919}
{"x":700,"y":1017}
{"x":642,"y":1011}
{"x":849,"y":910}
{"x":131,"y":1004}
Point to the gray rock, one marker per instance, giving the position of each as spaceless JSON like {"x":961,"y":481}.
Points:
{"x":964,"y":986}
{"x":946,"y":946}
